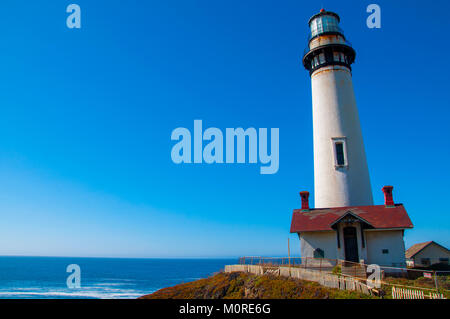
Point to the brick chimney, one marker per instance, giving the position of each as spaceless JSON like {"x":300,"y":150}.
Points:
{"x":388,"y":198}
{"x":305,"y":200}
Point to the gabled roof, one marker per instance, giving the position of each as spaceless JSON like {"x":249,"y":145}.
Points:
{"x":376,"y":216}
{"x":415,"y":249}
{"x":350,"y":214}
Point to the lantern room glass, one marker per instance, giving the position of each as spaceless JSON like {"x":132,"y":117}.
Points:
{"x":323,"y":24}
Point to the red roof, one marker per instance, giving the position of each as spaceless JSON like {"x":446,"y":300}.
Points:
{"x":378,"y":217}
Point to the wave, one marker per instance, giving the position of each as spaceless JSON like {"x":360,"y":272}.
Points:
{"x":93,"y":292}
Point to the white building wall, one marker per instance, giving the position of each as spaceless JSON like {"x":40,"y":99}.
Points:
{"x":327,"y":241}
{"x":335,"y":115}
{"x":372,"y":252}
{"x":392,"y":240}
{"x":433,"y":252}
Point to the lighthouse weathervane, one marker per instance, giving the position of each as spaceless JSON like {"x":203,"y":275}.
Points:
{"x":341,"y":174}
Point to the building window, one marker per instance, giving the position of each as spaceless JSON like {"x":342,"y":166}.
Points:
{"x":385,"y":251}
{"x":425,"y":261}
{"x":319,"y":253}
{"x":340,"y":152}
{"x":443,"y":261}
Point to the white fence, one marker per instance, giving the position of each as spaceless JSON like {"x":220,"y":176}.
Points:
{"x":400,"y":293}
{"x":325,"y":279}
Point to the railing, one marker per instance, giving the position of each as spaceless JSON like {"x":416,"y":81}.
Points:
{"x":312,"y":262}
{"x":300,"y":262}
{"x":321,"y":264}
{"x":276,"y":261}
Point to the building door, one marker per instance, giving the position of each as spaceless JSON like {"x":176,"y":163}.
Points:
{"x":351,"y":244}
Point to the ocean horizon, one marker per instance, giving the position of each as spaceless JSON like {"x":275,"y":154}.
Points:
{"x":24,"y":277}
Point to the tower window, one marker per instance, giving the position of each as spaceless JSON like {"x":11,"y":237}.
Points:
{"x":340,"y":152}
{"x":336,"y":56}
{"x":321,"y":58}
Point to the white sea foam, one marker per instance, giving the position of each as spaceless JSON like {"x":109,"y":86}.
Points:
{"x":78,"y":294}
{"x":63,"y":294}
{"x":100,"y":285}
{"x":97,"y":291}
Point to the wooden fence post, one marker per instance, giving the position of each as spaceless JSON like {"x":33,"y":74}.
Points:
{"x":436,"y":281}
{"x":289,"y":253}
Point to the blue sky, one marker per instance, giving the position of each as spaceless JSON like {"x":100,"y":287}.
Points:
{"x":86,"y":117}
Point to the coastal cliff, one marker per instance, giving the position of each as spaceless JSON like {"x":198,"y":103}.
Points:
{"x":238,"y":285}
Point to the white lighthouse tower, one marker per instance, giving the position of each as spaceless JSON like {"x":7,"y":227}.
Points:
{"x":341,"y":175}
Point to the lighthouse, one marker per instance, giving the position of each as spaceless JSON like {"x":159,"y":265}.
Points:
{"x":341,"y":175}
{"x":344,"y":224}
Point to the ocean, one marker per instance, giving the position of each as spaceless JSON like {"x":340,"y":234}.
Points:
{"x":100,"y":278}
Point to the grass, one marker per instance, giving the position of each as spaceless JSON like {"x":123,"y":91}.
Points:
{"x":337,"y":270}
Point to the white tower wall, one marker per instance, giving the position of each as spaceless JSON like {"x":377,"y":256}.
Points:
{"x":335,"y":119}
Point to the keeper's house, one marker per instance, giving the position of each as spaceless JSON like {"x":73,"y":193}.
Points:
{"x":427,"y":254}
{"x":368,"y":234}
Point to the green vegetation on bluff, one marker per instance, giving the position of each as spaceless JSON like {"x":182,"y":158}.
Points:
{"x":248,"y":286}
